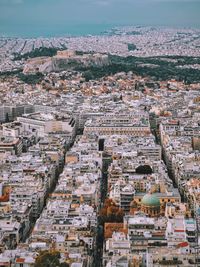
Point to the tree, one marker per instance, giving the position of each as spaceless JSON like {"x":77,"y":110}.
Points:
{"x":31,"y":78}
{"x":49,"y":259}
{"x":144,"y":169}
{"x":111,"y":212}
{"x":38,"y":52}
{"x":109,"y":202}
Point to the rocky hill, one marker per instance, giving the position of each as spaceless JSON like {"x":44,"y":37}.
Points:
{"x":64,"y":60}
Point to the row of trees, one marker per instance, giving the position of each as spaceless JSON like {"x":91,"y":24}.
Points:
{"x":38,"y":52}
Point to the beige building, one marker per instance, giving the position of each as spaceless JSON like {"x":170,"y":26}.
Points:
{"x":119,"y":124}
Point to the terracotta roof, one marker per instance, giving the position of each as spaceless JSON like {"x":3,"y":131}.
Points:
{"x":20,"y":260}
{"x":182,"y":245}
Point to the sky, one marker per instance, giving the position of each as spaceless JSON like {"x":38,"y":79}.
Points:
{"x":57,"y":17}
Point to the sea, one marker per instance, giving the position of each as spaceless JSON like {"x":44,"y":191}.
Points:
{"x":56,"y":31}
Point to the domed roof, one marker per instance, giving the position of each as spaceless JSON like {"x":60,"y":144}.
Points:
{"x":150,"y":200}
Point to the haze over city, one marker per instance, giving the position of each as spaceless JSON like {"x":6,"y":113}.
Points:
{"x":34,"y":18}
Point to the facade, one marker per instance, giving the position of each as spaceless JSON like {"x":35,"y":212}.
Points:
{"x":9,"y":112}
{"x":47,"y":123}
{"x":119,"y":124}
{"x":11,"y":144}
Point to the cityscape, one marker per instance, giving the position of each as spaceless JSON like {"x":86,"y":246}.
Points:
{"x":100,"y":148}
{"x":147,"y":41}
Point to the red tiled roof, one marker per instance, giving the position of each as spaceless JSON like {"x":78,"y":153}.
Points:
{"x":182,"y":245}
{"x":20,"y":260}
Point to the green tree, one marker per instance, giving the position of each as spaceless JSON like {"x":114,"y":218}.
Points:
{"x":144,"y":169}
{"x":38,"y":52}
{"x":31,"y":78}
{"x":49,"y":259}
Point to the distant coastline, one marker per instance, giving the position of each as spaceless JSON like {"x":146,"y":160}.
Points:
{"x":73,"y":30}
{"x":64,"y":31}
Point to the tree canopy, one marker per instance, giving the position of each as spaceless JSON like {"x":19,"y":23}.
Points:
{"x":38,"y":52}
{"x":144,"y":169}
{"x":49,"y":259}
{"x":111,"y":212}
{"x":165,"y":69}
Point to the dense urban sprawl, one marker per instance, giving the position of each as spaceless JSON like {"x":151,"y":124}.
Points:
{"x":102,"y":172}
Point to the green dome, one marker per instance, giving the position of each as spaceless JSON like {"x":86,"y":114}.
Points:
{"x":150,"y":200}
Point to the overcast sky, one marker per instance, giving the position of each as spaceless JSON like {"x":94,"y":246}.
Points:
{"x":19,"y":15}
